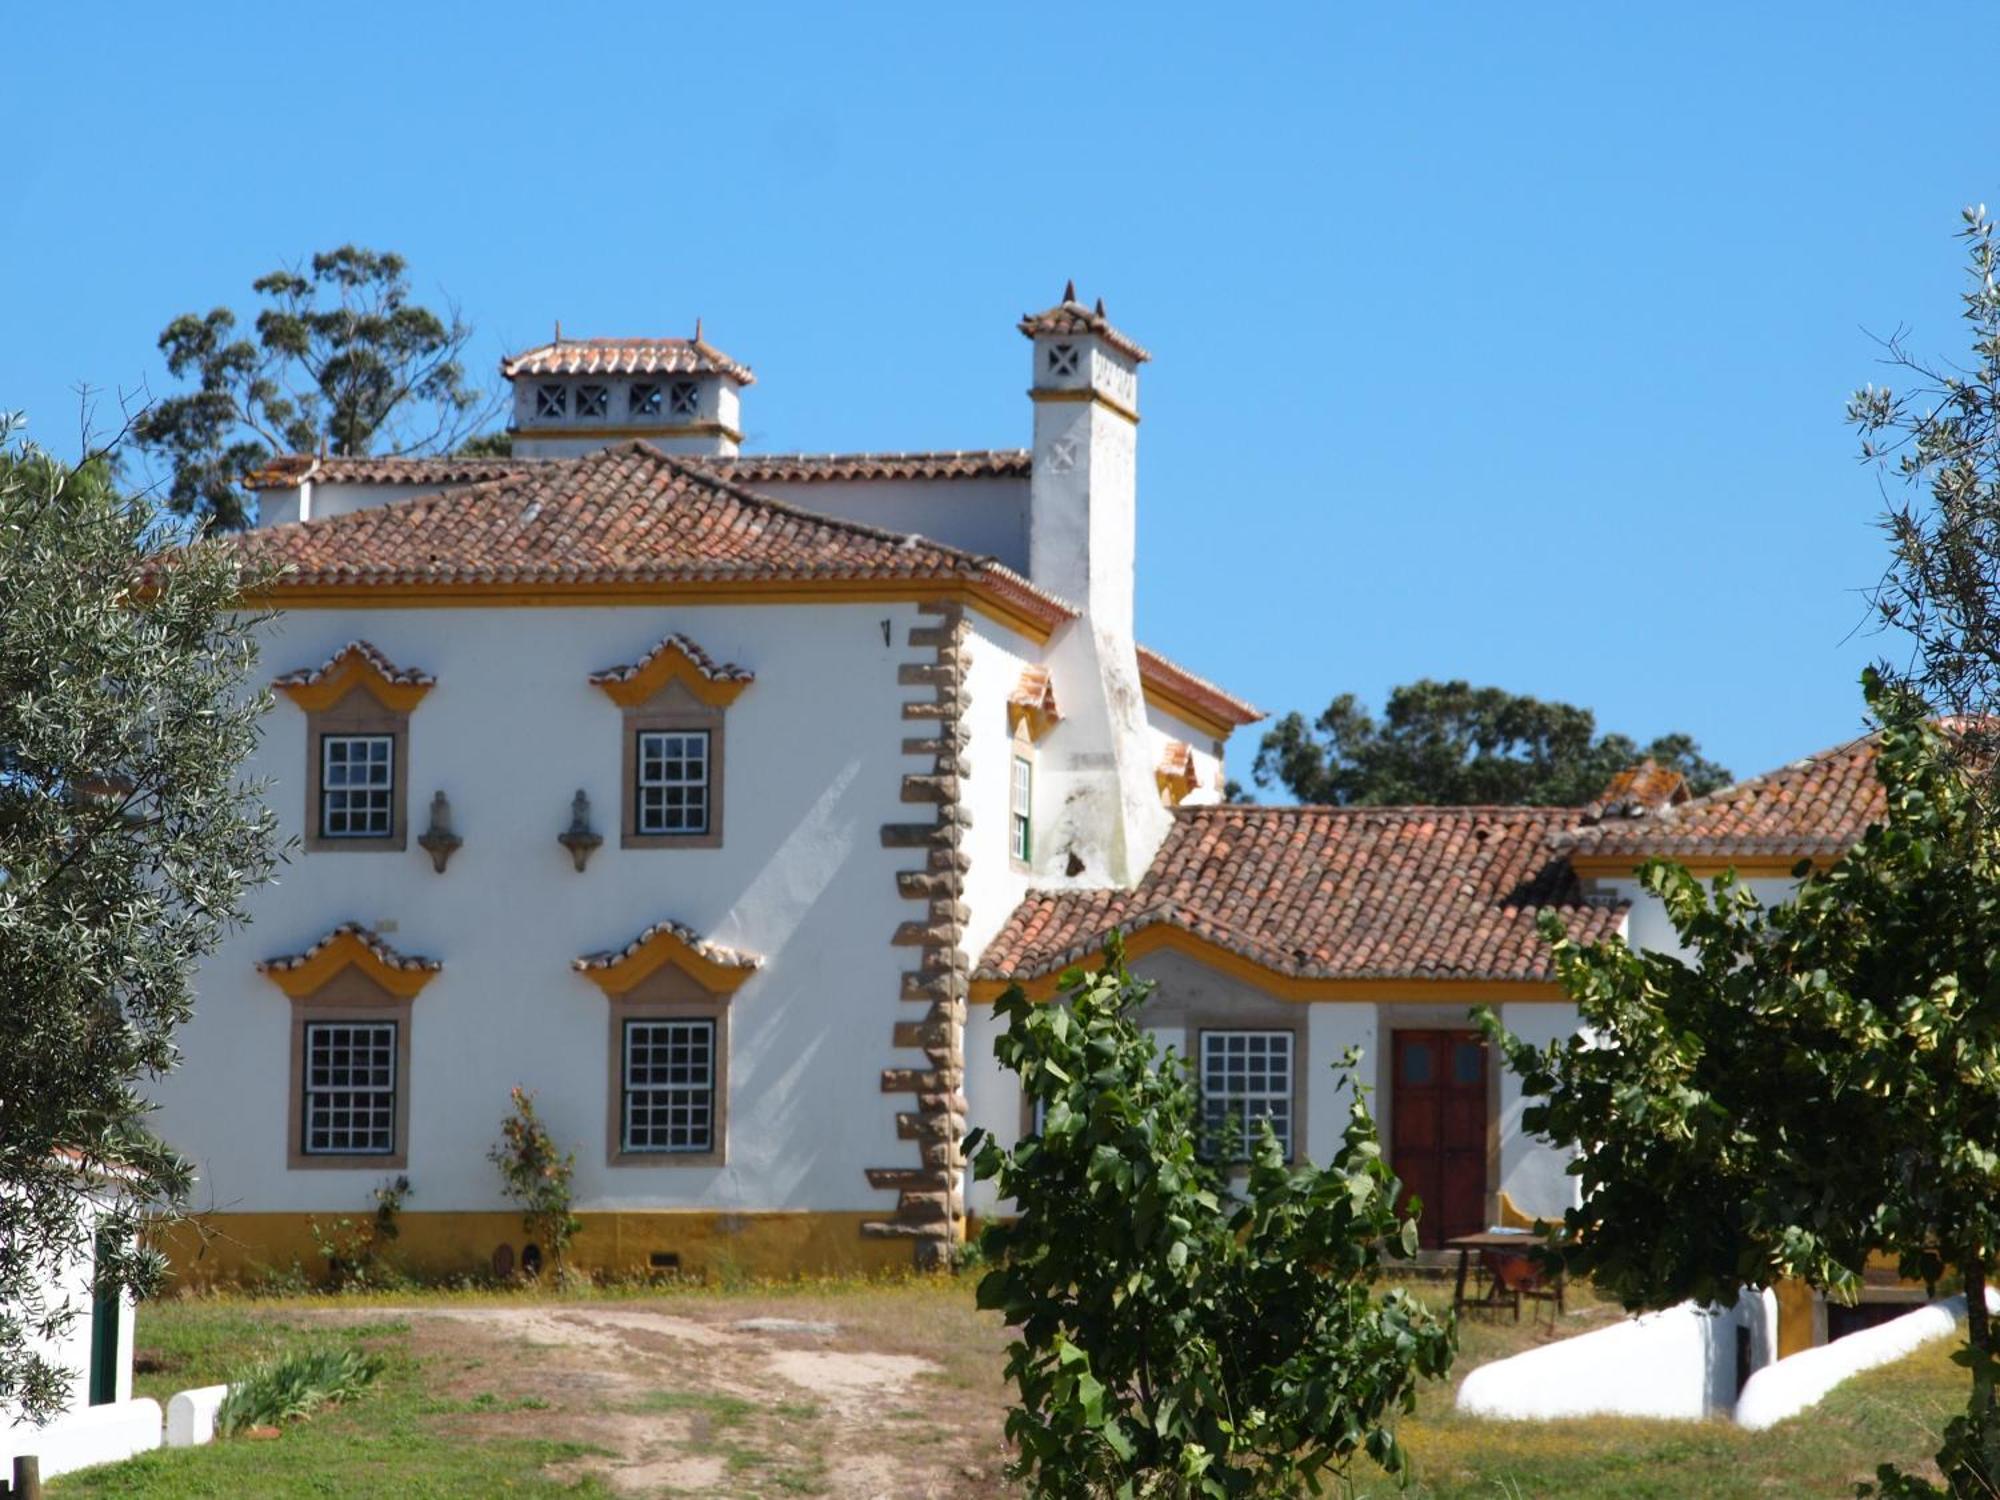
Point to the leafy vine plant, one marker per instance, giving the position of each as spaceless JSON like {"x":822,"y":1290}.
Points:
{"x":537,"y":1176}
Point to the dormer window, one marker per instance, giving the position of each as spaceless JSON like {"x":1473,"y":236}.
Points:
{"x":592,"y":400}
{"x":645,"y":398}
{"x":683,"y":397}
{"x":551,"y":400}
{"x":1062,"y":359}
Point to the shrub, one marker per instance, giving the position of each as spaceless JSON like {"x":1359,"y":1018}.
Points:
{"x":1183,"y":1333}
{"x":353,"y":1249}
{"x":535,"y":1176}
{"x":287,"y":1389}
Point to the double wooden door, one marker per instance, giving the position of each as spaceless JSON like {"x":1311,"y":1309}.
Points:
{"x":1437,"y":1127}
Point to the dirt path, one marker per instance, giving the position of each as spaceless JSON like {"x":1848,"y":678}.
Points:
{"x":850,"y":1397}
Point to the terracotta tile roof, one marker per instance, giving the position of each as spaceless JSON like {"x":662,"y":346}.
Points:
{"x":564,"y":356}
{"x":1817,"y":806}
{"x":403,"y":676}
{"x":699,"y":659}
{"x":1332,"y":893}
{"x":772,"y":468}
{"x":1071,"y":316}
{"x":715,"y":953}
{"x":1177,"y":761}
{"x":627,"y":514}
{"x":289,"y":469}
{"x":1174,"y":681}
{"x":390,"y":958}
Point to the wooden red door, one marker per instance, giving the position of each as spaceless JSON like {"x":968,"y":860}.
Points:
{"x":1437,"y":1123}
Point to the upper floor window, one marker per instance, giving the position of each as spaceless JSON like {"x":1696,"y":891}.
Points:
{"x":592,"y":400}
{"x":672,"y":792}
{"x":684,"y":396}
{"x":357,"y":786}
{"x":551,"y":400}
{"x":1021,"y":811}
{"x":675,"y":701}
{"x":358,"y":748}
{"x":1246,"y":1079}
{"x":644,"y":398}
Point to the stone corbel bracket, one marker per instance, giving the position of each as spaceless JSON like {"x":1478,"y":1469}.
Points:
{"x":580,"y":838}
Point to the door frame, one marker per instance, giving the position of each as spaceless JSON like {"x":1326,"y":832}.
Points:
{"x":1391,"y":1017}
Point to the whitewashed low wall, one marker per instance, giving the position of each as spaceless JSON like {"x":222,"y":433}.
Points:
{"x":1680,"y":1363}
{"x":191,"y":1416}
{"x":90,"y":1435}
{"x":1791,"y":1385}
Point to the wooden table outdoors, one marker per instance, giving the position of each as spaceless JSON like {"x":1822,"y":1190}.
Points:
{"x":1500,"y":1242}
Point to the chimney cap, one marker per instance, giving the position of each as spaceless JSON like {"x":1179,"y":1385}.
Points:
{"x":1071,"y":317}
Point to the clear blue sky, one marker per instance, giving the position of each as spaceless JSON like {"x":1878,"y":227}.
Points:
{"x":1500,"y":342}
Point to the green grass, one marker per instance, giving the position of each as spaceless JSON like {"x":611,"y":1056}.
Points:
{"x":439,"y":1420}
{"x":390,"y":1441}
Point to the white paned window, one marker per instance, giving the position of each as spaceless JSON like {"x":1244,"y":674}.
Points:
{"x":644,"y":398}
{"x":684,"y":397}
{"x":1021,"y":806}
{"x":1246,"y":1077}
{"x":551,"y":400}
{"x":669,"y":1086}
{"x":357,"y":786}
{"x":672,"y":791}
{"x":592,"y":400}
{"x":350,"y":1102}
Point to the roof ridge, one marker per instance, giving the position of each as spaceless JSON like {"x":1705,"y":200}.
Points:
{"x":1722,"y":794}
{"x":1390,"y":809}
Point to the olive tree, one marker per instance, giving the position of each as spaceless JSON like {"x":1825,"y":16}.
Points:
{"x":127,"y":840}
{"x":1811,"y":1085}
{"x":1189,"y":1325}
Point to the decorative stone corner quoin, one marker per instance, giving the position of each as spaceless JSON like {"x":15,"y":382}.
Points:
{"x":930,"y":1208}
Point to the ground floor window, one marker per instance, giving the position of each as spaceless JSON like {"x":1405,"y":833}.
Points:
{"x":1246,"y":1078}
{"x":669,"y":1077}
{"x":349,"y":1108}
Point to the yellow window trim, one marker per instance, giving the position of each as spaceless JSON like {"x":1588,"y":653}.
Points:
{"x":666,"y":947}
{"x":313,"y":975}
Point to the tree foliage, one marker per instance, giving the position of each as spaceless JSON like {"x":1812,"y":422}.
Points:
{"x":1176,"y":1340}
{"x":537,"y":1175}
{"x":1452,"y":744}
{"x":342,"y":358}
{"x":127,"y":840}
{"x":1938,"y":439}
{"x":1812,"y":1084}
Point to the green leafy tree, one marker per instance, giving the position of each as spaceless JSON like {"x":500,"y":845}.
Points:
{"x":1452,"y":744}
{"x":1811,"y":1085}
{"x":127,"y":841}
{"x":341,"y":359}
{"x":1175,"y":1339}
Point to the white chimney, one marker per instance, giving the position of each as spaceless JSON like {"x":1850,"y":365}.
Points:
{"x":1082,"y":533}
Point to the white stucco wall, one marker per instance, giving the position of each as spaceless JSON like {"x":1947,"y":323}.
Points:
{"x":72,"y":1289}
{"x":988,"y":517}
{"x":1533,"y":1172}
{"x":1165,"y":727}
{"x":1648,"y":928}
{"x":512,"y":729}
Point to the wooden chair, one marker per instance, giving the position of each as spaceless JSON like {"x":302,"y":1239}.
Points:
{"x":1512,"y":1276}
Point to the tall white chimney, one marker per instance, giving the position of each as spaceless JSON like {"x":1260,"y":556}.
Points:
{"x":1082,"y":536}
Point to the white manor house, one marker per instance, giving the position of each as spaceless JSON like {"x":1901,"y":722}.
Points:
{"x":712,"y":796}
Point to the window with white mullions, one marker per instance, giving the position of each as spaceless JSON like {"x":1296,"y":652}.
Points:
{"x":350,"y":1088}
{"x":1021,"y":829}
{"x":1246,"y":1078}
{"x":357,"y":786}
{"x":672,"y":785}
{"x":669,"y":1086}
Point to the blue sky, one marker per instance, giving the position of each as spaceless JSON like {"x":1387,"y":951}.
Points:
{"x":1507,"y":343}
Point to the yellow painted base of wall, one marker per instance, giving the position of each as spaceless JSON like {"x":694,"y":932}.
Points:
{"x":228,"y":1248}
